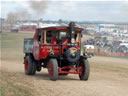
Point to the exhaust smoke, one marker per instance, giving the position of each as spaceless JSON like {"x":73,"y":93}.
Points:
{"x":39,"y":7}
{"x":35,"y":9}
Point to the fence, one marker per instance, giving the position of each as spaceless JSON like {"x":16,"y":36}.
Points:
{"x":111,"y":53}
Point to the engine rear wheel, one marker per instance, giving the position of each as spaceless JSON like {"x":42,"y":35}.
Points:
{"x":29,"y":66}
{"x":85,"y":70}
{"x":53,"y":69}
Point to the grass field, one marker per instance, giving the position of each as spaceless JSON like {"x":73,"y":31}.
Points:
{"x":119,"y":57}
{"x":108,"y":74}
{"x":12,"y":45}
{"x":12,"y":50}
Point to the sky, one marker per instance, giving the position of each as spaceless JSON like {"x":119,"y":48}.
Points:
{"x":75,"y":10}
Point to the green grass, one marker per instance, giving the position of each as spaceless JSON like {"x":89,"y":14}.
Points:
{"x":119,"y":57}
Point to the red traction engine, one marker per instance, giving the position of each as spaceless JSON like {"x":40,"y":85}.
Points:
{"x":59,"y":50}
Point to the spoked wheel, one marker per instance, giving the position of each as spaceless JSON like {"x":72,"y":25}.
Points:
{"x":30,"y":66}
{"x":85,"y":70}
{"x":53,"y":69}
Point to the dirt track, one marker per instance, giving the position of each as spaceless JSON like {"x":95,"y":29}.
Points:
{"x":109,"y":77}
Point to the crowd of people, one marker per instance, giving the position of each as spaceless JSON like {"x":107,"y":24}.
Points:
{"x":107,"y":46}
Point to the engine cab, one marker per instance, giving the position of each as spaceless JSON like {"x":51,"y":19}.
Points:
{"x":55,"y":41}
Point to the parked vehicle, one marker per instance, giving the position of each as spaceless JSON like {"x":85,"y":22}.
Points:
{"x":89,"y":50}
{"x":14,"y":30}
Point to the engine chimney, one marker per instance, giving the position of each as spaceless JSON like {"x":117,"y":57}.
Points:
{"x":72,"y":32}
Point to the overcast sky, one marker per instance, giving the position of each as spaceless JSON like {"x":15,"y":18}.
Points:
{"x":76,"y":10}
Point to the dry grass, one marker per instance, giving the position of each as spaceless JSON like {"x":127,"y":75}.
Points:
{"x":13,"y":85}
{"x":12,"y":45}
{"x":108,"y":75}
{"x":109,"y":64}
{"x":12,"y":50}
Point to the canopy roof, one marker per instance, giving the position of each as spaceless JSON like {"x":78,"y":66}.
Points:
{"x":57,"y":28}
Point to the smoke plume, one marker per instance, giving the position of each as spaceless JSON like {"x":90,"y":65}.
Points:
{"x":17,"y":15}
{"x":11,"y":19}
{"x":39,"y":7}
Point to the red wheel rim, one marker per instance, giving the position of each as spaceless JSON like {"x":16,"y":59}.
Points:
{"x":82,"y":69}
{"x":51,"y":69}
{"x":26,"y":65}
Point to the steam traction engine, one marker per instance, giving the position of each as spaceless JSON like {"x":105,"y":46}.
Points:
{"x":59,"y":50}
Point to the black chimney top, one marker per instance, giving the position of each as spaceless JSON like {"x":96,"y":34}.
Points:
{"x":72,"y":24}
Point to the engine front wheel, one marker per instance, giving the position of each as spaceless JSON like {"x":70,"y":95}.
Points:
{"x":85,"y":70}
{"x":53,"y":69}
{"x":29,"y":66}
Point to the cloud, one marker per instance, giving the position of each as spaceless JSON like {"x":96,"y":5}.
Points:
{"x":82,"y":10}
{"x":68,"y":4}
